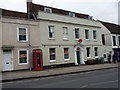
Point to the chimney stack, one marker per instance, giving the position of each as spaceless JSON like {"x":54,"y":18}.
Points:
{"x":29,"y":8}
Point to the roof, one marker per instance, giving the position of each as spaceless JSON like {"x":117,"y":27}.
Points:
{"x":113,"y":28}
{"x":34,"y":8}
{"x":10,"y":13}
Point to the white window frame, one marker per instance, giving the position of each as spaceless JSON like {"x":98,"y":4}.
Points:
{"x":71,"y":14}
{"x":19,"y":56}
{"x":95,"y":52}
{"x":88,"y":34}
{"x":95,"y":35}
{"x":78,"y":33}
{"x":52,"y":31}
{"x":48,"y":10}
{"x":89,"y":53}
{"x":18,"y":34}
{"x":50,"y":54}
{"x":68,"y":54}
{"x":115,"y":40}
{"x":118,"y":39}
{"x":65,"y":33}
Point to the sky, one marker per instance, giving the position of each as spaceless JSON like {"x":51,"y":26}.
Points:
{"x":105,"y":10}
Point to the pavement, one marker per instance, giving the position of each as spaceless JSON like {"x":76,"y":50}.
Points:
{"x":27,"y":74}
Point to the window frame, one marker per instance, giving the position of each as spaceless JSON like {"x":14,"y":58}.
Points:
{"x":89,"y":52}
{"x":52,"y":32}
{"x":68,"y":54}
{"x":71,"y":14}
{"x":87,"y":34}
{"x":114,"y":44}
{"x":77,"y":33}
{"x":96,"y":52}
{"x":94,"y":34}
{"x":18,"y":33}
{"x":65,"y":33}
{"x":118,"y":40}
{"x":103,"y":39}
{"x":48,"y":10}
{"x":19,"y":56}
{"x":54,"y":54}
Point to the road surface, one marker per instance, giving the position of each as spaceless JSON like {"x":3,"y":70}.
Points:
{"x":107,"y":78}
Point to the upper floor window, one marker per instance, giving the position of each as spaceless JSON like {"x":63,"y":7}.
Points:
{"x":71,"y":14}
{"x":48,"y":10}
{"x":119,"y":40}
{"x":87,"y":34}
{"x":114,"y":40}
{"x":65,"y":33}
{"x":51,"y":32}
{"x":103,"y":39}
{"x":77,"y":33}
{"x":94,"y":34}
{"x":22,"y":34}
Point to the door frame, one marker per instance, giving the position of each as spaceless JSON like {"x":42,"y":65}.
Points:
{"x":11,"y":58}
{"x":81,"y":55}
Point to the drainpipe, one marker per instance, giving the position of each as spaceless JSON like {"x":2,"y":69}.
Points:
{"x":29,"y":3}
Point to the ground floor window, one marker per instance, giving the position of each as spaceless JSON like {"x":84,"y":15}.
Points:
{"x":66,"y":54}
{"x":88,"y":52}
{"x":52,"y":54}
{"x":96,"y":51}
{"x":23,"y":57}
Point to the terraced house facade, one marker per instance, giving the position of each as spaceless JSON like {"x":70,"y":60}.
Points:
{"x":64,"y":37}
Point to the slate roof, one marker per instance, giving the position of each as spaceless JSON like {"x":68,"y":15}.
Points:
{"x":113,"y":28}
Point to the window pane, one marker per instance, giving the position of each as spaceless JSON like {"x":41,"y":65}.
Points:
{"x":103,"y":39}
{"x":22,"y":31}
{"x":96,"y":51}
{"x":66,"y":53}
{"x":77,"y":34}
{"x":22,"y":34}
{"x":119,"y":40}
{"x":88,"y":51}
{"x":23,"y":57}
{"x":51,"y":31}
{"x":52,"y":53}
{"x":94,"y":35}
{"x":65,"y":32}
{"x":86,"y":34}
{"x":114,"y":41}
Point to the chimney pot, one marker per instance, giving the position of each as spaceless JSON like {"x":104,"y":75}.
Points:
{"x":29,"y":0}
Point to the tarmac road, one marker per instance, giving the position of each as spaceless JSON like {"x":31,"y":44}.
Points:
{"x":107,"y":78}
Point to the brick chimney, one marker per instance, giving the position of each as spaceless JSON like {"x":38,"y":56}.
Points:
{"x":29,"y":7}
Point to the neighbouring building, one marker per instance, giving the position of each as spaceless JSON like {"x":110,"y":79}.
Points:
{"x":65,"y":37}
{"x":112,"y":38}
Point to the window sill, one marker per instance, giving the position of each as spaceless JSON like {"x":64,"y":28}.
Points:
{"x":96,"y":57}
{"x":95,"y":40}
{"x":66,"y":59}
{"x":87,"y":39}
{"x":52,"y":61}
{"x":77,"y":39}
{"x":22,"y":63}
{"x":51,"y":39}
{"x":23,"y":41}
{"x":65,"y":39}
{"x":88,"y":57}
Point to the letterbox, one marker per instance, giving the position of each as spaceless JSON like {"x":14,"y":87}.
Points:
{"x":37,"y":59}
